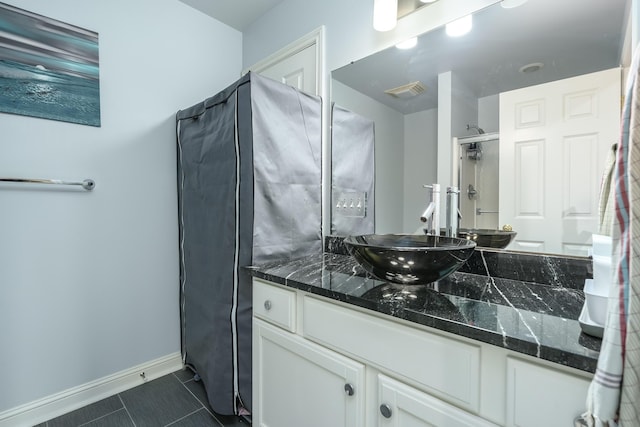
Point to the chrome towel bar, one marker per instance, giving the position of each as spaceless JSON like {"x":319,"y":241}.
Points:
{"x":480,"y":212}
{"x":87,"y":184}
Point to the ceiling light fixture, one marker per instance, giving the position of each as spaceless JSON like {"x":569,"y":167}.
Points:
{"x":385,"y":14}
{"x":459,"y":27}
{"x":408,"y":44}
{"x":428,"y":1}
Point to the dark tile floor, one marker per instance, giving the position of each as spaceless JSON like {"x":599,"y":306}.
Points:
{"x":174,"y":400}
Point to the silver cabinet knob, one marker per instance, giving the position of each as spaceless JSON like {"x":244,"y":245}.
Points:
{"x":385,"y":410}
{"x":267,"y":305}
{"x":348,"y":388}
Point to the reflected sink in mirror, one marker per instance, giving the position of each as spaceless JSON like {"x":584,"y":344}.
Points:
{"x":485,"y":238}
{"x":409,"y":259}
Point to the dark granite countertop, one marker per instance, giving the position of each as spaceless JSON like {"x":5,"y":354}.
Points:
{"x":537,"y":319}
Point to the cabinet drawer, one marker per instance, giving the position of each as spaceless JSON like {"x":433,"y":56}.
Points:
{"x":448,"y":368}
{"x":274,"y":304}
{"x":541,"y":396}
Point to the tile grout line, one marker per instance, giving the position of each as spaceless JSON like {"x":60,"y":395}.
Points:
{"x":179,"y":380}
{"x":126,"y":410}
{"x":102,"y":416}
{"x":184,"y":384}
{"x":182,"y":418}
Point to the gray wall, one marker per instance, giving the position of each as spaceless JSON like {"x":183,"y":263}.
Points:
{"x":89,"y":281}
{"x":420,"y":165}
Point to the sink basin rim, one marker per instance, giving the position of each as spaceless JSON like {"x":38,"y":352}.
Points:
{"x":488,"y":238}
{"x":487,"y":231}
{"x":462,"y":243}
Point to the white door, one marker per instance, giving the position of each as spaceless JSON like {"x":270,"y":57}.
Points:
{"x":403,"y":406}
{"x":298,"y":65}
{"x":302,"y":384}
{"x":298,"y":70}
{"x":554,"y":140}
{"x":301,"y":65}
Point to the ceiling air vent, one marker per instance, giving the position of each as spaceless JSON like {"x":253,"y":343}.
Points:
{"x":407,"y":91}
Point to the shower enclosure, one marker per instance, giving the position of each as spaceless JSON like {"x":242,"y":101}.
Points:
{"x":478,"y":180}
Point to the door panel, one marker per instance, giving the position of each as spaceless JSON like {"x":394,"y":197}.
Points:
{"x":554,"y":140}
{"x":404,"y":406}
{"x":298,"y":383}
{"x":298,"y":64}
{"x":297,"y":70}
{"x":563,"y":398}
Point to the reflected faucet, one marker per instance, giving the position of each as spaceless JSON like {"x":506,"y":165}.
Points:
{"x":453,"y":213}
{"x":432,"y":213}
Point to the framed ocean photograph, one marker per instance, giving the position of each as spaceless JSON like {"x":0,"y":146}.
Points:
{"x":48,"y":69}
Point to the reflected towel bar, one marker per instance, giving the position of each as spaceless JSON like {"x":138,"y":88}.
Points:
{"x":480,"y":212}
{"x":87,"y":184}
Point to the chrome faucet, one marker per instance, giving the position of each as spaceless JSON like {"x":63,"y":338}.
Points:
{"x":431,"y":215}
{"x":453,"y":214}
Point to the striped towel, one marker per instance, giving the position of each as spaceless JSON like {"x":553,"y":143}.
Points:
{"x":614,"y":394}
{"x":605,"y":205}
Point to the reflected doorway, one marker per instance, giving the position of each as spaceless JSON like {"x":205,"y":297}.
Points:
{"x":478,"y":180}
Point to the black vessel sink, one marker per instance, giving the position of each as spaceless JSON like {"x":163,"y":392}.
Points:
{"x":409,"y":259}
{"x":488,"y":238}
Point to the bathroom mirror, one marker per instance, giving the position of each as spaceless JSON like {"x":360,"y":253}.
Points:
{"x":458,"y":94}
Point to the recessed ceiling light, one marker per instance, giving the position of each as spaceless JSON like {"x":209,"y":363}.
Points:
{"x":408,"y":44}
{"x":531,"y":68}
{"x":428,"y":1}
{"x":459,"y":27}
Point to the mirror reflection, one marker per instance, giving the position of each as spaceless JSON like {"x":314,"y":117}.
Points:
{"x":520,"y":114}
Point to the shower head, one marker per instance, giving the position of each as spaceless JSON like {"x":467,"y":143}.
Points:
{"x":477,"y":129}
{"x":474,"y":151}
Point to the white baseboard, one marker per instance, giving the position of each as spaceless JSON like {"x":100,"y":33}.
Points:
{"x":69,"y":400}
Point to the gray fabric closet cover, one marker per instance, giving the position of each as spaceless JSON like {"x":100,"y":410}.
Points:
{"x":287,"y":171}
{"x":352,"y":168}
{"x":248,"y":192}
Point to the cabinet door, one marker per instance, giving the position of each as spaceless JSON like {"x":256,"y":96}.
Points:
{"x":298,"y":383}
{"x":541,"y":396}
{"x":400,"y":405}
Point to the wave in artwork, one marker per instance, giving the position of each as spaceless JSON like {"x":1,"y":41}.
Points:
{"x":48,"y":69}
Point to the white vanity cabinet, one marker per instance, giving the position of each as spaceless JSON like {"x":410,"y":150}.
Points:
{"x":297,"y":382}
{"x":318,"y":362}
{"x":540,"y":396}
{"x":404,"y":406}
